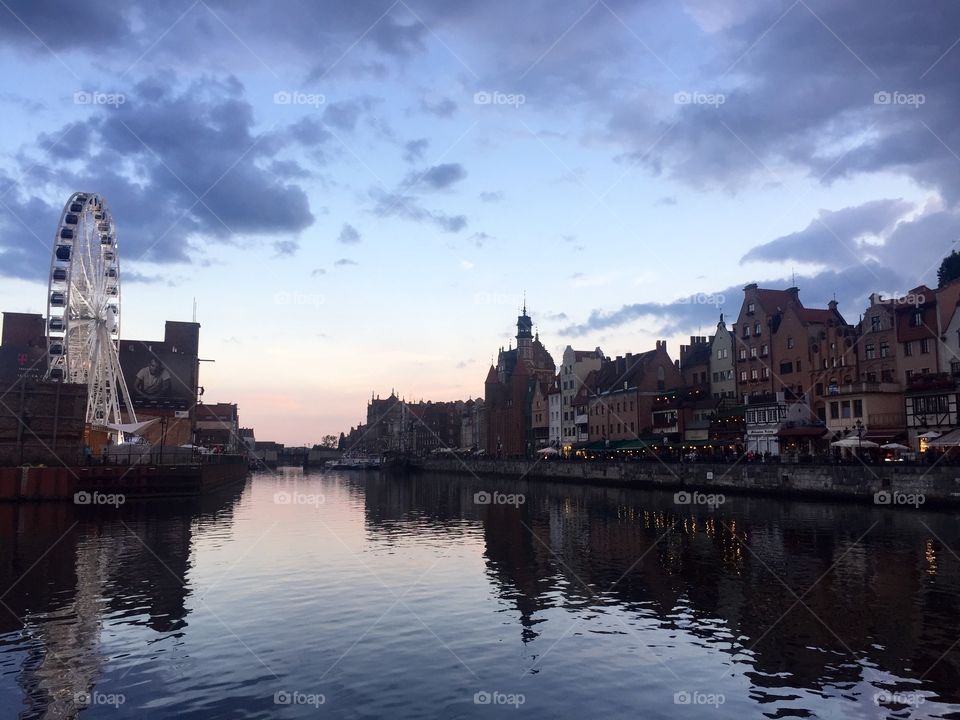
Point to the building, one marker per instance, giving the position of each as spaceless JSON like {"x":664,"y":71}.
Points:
{"x":555,"y":406}
{"x":509,"y":389}
{"x":473,"y":425}
{"x":218,"y":426}
{"x":577,"y":364}
{"x":432,"y":426}
{"x":695,"y":362}
{"x":23,"y":347}
{"x":540,"y":415}
{"x":918,"y":331}
{"x":619,"y":398}
{"x":723,"y":382}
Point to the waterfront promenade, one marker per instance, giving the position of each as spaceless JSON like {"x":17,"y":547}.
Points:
{"x":893,"y":484}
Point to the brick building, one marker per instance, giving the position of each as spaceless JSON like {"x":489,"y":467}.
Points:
{"x":509,"y":390}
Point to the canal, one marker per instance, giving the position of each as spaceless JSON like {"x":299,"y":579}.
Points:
{"x":361,"y":595}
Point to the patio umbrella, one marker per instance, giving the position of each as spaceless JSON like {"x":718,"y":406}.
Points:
{"x":548,"y":451}
{"x":894,"y":446}
{"x":853,"y":442}
{"x":930,"y":435}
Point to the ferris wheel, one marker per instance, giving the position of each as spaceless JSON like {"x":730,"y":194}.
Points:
{"x":83,"y":309}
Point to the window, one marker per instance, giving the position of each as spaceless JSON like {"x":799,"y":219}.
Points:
{"x":746,"y":331}
{"x":789,"y":343}
{"x":884,"y":349}
{"x":871,"y":352}
{"x":753,"y":352}
{"x":917,"y":319}
{"x":753,"y":374}
{"x":766,"y":372}
{"x":743,"y":376}
{"x":908,"y":348}
{"x":750,"y":308}
{"x":845,"y":409}
{"x":875,"y":323}
{"x":925,"y":346}
{"x":834,"y":410}
{"x":786,"y":368}
{"x":819,"y":389}
{"x":858,"y":408}
{"x":764,"y":351}
{"x":886,"y":376}
{"x":743,"y":353}
{"x":756,"y":329}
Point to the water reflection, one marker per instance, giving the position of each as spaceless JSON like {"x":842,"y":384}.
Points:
{"x":67,"y":570}
{"x":591,"y":600}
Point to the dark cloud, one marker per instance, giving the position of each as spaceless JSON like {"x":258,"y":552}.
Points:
{"x":200,"y":170}
{"x":348,"y":235}
{"x":344,"y":115}
{"x":286,"y":248}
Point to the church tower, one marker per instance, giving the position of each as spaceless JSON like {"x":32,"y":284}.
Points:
{"x":525,"y":335}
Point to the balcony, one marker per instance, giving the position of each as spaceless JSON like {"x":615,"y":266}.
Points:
{"x":931,"y":381}
{"x":862,"y":388}
{"x":886,"y":420}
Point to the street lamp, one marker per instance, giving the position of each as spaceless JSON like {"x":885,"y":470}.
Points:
{"x":859,"y":425}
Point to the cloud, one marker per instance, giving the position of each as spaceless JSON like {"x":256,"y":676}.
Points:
{"x":286,"y":248}
{"x":344,"y":262}
{"x":491,"y":196}
{"x":438,"y":177}
{"x":480,"y":238}
{"x":443,"y":107}
{"x":348,"y":235}
{"x":834,"y":236}
{"x":409,"y":208}
{"x":174,"y":165}
{"x":414,"y":149}
{"x":317,"y":272}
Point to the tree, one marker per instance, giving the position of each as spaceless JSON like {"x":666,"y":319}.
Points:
{"x":328,"y":441}
{"x":949,"y":269}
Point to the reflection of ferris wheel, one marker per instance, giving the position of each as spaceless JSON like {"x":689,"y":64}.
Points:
{"x":83,"y":308}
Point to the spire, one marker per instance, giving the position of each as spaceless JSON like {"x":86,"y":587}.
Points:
{"x":524,"y":302}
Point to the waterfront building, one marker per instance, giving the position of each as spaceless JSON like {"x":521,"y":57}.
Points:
{"x":723,"y":383}
{"x":781,"y":424}
{"x":576,"y":365}
{"x":695,"y":362}
{"x":218,"y":425}
{"x":472,"y":425}
{"x":509,"y":388}
{"x":540,"y":415}
{"x":23,"y":347}
{"x":917,"y":324}
{"x":555,"y":405}
{"x":619,"y":397}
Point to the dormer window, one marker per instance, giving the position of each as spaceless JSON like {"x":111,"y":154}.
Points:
{"x":750,"y":308}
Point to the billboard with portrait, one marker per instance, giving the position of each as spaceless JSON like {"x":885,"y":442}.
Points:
{"x":157,"y":377}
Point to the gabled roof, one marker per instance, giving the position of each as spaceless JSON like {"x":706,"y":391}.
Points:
{"x":771,"y":300}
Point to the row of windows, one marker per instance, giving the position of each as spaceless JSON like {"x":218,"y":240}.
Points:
{"x":766,"y":415}
{"x":755,"y":374}
{"x":846,"y":409}
{"x":924,"y":347}
{"x":601,"y":408}
{"x":596,"y":430}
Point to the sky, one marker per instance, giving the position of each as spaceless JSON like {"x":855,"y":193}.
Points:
{"x":358,"y":195}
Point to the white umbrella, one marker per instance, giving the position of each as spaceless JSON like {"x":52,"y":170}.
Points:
{"x":931,"y":435}
{"x":894,"y":446}
{"x":852,"y":442}
{"x":548,"y":451}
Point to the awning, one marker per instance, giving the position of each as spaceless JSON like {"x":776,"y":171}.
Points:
{"x":132,"y":428}
{"x":883,"y":437}
{"x":951,"y":439}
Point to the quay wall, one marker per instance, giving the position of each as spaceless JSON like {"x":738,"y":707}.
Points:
{"x":134,"y":482}
{"x":876,"y":484}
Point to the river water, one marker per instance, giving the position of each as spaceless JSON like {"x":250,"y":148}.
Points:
{"x":361,"y":595}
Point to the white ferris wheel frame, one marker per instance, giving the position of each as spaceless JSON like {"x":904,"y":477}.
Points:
{"x":83,"y":309}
